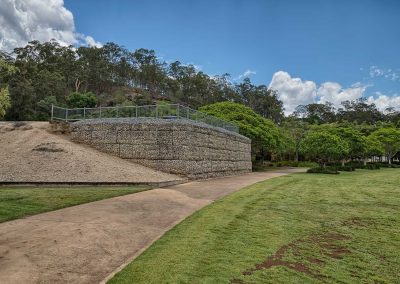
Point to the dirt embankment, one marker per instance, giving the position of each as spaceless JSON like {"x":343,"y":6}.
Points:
{"x":29,"y":152}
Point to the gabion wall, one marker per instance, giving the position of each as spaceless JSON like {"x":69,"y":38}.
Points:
{"x":181,"y":147}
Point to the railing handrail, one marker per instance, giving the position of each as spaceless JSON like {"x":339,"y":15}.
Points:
{"x":182,"y":112}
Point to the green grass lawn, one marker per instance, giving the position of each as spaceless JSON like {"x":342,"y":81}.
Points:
{"x":21,"y":201}
{"x":302,"y":228}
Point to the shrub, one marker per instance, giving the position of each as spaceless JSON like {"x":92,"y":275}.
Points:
{"x":80,"y":100}
{"x":344,"y":168}
{"x":370,"y":167}
{"x":302,"y":164}
{"x":360,"y":165}
{"x":386,"y":165}
{"x":321,"y":170}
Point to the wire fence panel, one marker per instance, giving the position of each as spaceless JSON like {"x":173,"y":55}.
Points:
{"x":170,"y":111}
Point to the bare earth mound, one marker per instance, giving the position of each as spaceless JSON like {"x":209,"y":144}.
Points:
{"x":30,"y":153}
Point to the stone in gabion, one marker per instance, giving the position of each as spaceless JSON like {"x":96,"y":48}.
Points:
{"x":179,"y":146}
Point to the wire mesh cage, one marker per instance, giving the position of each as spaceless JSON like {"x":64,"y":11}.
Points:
{"x":163,"y":111}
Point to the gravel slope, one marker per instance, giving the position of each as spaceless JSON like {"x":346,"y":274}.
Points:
{"x":30,"y":153}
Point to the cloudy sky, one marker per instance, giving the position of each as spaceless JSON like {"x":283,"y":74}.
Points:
{"x":310,"y":50}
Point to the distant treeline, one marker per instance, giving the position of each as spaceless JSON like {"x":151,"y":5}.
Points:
{"x":47,"y":73}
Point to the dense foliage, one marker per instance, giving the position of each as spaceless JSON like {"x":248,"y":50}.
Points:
{"x":324,"y":146}
{"x":6,"y":69}
{"x":48,"y":72}
{"x":80,"y":100}
{"x":264,"y":134}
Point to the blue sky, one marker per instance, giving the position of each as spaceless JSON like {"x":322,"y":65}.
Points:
{"x":310,"y":50}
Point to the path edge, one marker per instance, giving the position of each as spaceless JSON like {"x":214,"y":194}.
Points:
{"x":139,"y":252}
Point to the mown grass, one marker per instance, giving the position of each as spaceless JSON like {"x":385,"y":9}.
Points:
{"x":302,"y":228}
{"x":19,"y":202}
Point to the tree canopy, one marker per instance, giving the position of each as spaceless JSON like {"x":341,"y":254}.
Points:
{"x":50,"y":72}
{"x":265,"y":135}
{"x":6,"y":70}
{"x":324,"y":146}
{"x":389,"y":138}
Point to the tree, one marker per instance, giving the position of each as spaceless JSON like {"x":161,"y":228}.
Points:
{"x":316,"y":113}
{"x":262,"y":100}
{"x":373,"y":147}
{"x":359,"y":111}
{"x":80,"y":100}
{"x":296,"y":130}
{"x":264,"y":134}
{"x":354,"y":139}
{"x":324,"y":147}
{"x":389,"y":137}
{"x":5,"y":101}
{"x":6,"y":69}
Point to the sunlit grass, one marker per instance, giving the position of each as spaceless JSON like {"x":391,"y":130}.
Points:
{"x":302,"y":228}
{"x":20,"y":202}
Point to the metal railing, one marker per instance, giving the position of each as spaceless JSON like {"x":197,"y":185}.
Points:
{"x":170,"y":111}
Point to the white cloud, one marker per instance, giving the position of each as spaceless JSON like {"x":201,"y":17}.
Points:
{"x":245,"y":74}
{"x":383,"y":101}
{"x":22,"y":21}
{"x":334,"y":93}
{"x":293,"y":91}
{"x":375,"y":72}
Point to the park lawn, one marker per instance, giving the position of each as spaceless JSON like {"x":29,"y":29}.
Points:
{"x":301,"y":228}
{"x":18,"y":202}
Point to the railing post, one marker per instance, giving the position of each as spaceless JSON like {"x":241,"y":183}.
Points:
{"x":197,"y":115}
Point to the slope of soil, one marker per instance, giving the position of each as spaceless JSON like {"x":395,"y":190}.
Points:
{"x":30,"y":153}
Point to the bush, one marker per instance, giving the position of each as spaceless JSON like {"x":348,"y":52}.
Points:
{"x":302,"y":164}
{"x":343,"y":168}
{"x":386,"y":165}
{"x":80,"y":100}
{"x":370,"y":167}
{"x":321,"y":170}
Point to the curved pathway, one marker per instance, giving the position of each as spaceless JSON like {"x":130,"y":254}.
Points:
{"x":88,"y":243}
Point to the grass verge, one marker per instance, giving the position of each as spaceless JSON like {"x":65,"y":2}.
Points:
{"x":18,"y":202}
{"x":301,"y":228}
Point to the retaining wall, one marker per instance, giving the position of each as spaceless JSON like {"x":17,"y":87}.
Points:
{"x":182,"y":147}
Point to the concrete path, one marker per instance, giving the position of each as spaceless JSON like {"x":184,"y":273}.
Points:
{"x":88,"y":243}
